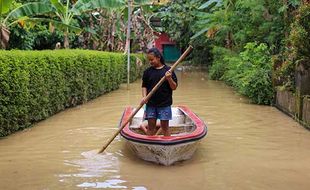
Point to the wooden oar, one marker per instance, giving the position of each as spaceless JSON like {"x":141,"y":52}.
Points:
{"x":146,"y":98}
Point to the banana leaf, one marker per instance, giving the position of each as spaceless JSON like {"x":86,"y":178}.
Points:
{"x":29,"y":9}
{"x":5,"y":6}
{"x":58,"y":24}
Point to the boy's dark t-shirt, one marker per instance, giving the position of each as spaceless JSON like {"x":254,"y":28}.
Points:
{"x":163,"y":96}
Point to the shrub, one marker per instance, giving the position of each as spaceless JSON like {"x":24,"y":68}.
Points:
{"x":249,"y":72}
{"x":219,"y":66}
{"x":300,"y":33}
{"x":37,"y":84}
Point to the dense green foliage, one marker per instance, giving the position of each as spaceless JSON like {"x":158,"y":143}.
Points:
{"x":249,"y":72}
{"x":37,"y":84}
{"x":284,"y":71}
{"x":300,"y":34}
{"x":137,"y":66}
{"x":177,"y":19}
{"x":38,"y":38}
{"x":243,"y":36}
{"x":94,"y":24}
{"x":221,"y":57}
{"x":297,"y":50}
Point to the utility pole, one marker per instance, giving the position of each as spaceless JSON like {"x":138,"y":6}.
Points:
{"x":128,"y":43}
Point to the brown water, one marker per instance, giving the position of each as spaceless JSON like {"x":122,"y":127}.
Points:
{"x":248,"y":146}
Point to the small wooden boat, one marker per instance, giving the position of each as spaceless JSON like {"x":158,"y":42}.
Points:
{"x":186,"y":130}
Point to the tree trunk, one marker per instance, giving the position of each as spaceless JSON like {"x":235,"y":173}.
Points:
{"x":111,"y":40}
{"x":4,"y":37}
{"x":229,"y":40}
{"x":120,"y":44}
{"x":147,"y":37}
{"x":113,"y":31}
{"x":128,"y":29}
{"x":66,"y":39}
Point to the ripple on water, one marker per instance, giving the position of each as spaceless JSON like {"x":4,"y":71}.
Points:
{"x":93,"y":167}
{"x":112,"y":183}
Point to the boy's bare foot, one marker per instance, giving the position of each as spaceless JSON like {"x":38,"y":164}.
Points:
{"x":143,"y":128}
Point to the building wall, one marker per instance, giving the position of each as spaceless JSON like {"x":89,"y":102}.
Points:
{"x":167,"y":47}
{"x":162,"y":39}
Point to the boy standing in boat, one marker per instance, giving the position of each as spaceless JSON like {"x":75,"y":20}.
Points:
{"x":159,"y":104}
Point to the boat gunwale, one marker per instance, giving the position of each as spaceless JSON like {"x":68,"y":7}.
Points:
{"x":198,"y":133}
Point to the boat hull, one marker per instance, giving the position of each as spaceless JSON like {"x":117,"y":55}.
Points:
{"x":187,"y":131}
{"x":163,"y":154}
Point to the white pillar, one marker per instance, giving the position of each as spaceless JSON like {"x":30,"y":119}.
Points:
{"x":128,"y":43}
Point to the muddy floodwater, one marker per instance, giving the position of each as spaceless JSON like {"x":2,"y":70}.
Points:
{"x":248,"y":147}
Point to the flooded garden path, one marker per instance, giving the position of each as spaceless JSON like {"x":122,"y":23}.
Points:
{"x":248,"y":146}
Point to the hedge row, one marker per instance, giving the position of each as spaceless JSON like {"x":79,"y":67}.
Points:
{"x":37,"y":84}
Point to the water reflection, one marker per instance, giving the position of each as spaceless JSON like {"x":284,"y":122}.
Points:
{"x":113,"y":184}
{"x":95,"y":170}
{"x":93,"y":166}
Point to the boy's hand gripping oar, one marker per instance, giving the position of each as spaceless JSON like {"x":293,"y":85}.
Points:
{"x":147,"y":98}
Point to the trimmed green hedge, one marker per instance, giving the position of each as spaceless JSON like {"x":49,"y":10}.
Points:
{"x":137,"y":66}
{"x":37,"y":84}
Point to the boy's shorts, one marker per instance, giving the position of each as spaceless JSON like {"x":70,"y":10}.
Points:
{"x":161,"y":113}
